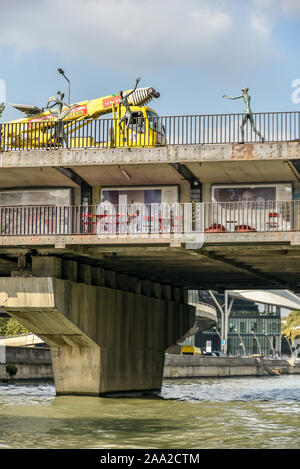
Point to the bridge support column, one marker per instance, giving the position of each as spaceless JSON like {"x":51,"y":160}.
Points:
{"x":102,"y":340}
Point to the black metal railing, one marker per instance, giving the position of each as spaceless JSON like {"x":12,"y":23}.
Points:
{"x":151,"y":219}
{"x":152,"y":131}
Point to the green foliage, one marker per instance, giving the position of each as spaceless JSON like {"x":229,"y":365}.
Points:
{"x":2,"y":107}
{"x":11,"y":369}
{"x":293,"y":320}
{"x":3,"y":324}
{"x":11,"y":327}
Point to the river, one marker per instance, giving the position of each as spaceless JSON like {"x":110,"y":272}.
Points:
{"x":197,"y":413}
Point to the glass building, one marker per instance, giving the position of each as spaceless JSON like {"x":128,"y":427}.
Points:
{"x":252,"y":328}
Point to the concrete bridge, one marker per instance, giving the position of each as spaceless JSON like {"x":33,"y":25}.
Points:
{"x":99,"y":268}
{"x":264,"y":255}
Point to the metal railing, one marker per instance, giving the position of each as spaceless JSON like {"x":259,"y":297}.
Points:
{"x":251,"y":216}
{"x":152,"y":131}
{"x":151,"y":219}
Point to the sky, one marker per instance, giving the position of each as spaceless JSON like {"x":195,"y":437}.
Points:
{"x":191,"y":51}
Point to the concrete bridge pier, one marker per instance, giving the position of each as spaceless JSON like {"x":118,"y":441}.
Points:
{"x":103,"y":339}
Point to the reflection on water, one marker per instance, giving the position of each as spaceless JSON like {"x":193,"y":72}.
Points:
{"x":202,"y":413}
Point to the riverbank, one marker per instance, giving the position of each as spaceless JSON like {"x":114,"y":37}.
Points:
{"x":34,"y":363}
{"x":25,"y":363}
{"x":179,"y":366}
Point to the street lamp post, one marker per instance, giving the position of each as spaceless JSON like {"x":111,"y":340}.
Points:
{"x":60,"y":70}
{"x":225,"y":312}
{"x":272,"y":348}
{"x":257,"y":341}
{"x":242,"y":342}
{"x":291,"y":350}
{"x":222,"y":318}
{"x":215,"y":328}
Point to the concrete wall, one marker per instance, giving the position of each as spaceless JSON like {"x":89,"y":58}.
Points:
{"x":179,"y":366}
{"x":30,"y":363}
{"x":40,"y":371}
{"x":29,"y":355}
{"x":36,"y":364}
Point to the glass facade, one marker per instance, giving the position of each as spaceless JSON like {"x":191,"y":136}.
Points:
{"x":260,"y":325}
{"x":252,"y":329}
{"x":189,"y":341}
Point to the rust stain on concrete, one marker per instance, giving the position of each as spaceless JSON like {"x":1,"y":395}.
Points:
{"x":242,"y":151}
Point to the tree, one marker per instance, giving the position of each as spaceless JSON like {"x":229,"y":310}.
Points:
{"x":14,"y":328}
{"x":2,"y":107}
{"x":292,"y":321}
{"x":10,"y":326}
{"x":3,"y":324}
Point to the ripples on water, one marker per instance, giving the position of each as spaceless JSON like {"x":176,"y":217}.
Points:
{"x":203,"y":413}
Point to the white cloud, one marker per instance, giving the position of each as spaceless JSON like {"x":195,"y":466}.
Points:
{"x":139,"y":33}
{"x":275,"y":8}
{"x":261,"y":25}
{"x":290,"y":6}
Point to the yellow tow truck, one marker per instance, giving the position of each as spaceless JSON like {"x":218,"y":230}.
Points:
{"x":190,"y":350}
{"x":80,"y":128}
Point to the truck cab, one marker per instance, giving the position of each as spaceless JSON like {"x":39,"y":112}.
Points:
{"x":146,"y":128}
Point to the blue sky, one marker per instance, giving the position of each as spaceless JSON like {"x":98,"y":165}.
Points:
{"x":192,"y":51}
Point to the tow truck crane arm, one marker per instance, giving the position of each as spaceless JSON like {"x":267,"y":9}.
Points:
{"x":39,"y":128}
{"x":91,"y":109}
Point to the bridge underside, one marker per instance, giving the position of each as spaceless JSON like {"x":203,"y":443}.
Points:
{"x":256,"y":260}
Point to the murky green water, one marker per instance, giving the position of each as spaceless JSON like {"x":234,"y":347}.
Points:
{"x":203,"y":413}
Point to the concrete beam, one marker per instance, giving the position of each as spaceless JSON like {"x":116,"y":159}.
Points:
{"x":69,"y":270}
{"x":186,"y":174}
{"x":115,"y":241}
{"x":84,"y":274}
{"x":98,"y":276}
{"x":44,"y":266}
{"x":168,"y":154}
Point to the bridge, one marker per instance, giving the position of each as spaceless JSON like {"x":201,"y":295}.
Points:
{"x":99,"y":244}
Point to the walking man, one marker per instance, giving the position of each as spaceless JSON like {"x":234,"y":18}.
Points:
{"x":248,"y":113}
